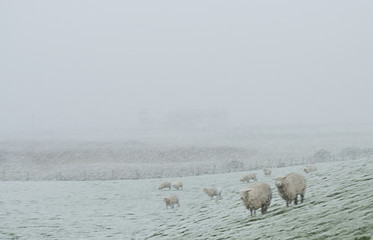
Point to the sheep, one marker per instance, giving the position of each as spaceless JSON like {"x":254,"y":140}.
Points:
{"x":213,"y":191}
{"x":165,"y":184}
{"x":257,"y":195}
{"x":177,"y":185}
{"x":171,"y":201}
{"x":267,"y":171}
{"x":248,"y":177}
{"x":290,"y":186}
{"x":310,"y":168}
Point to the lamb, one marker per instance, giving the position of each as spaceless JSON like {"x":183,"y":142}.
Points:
{"x":310,"y":168}
{"x":165,"y":184}
{"x":171,"y":201}
{"x":256,"y":196}
{"x":267,"y":171}
{"x":177,"y":185}
{"x":248,"y":177}
{"x":290,"y":186}
{"x":213,"y":191}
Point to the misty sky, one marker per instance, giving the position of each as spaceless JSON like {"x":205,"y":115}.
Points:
{"x":97,"y":64}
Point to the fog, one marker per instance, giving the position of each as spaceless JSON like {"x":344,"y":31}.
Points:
{"x":102,"y":101}
{"x":81,"y":65}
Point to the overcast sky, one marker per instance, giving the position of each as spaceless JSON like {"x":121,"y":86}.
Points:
{"x":97,"y":64}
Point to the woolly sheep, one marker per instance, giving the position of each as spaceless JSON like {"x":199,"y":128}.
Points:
{"x":267,"y":171}
{"x":213,"y":191}
{"x":165,"y":184}
{"x":290,"y":186}
{"x":248,"y":177}
{"x":310,"y":168}
{"x":171,"y":201}
{"x":256,"y":196}
{"x":177,"y":185}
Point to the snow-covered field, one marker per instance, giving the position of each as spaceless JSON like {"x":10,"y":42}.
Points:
{"x":175,"y":154}
{"x":338,"y":205}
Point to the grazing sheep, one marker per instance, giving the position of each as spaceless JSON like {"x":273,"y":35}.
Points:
{"x":165,"y":184}
{"x":213,"y":191}
{"x":248,"y":177}
{"x":290,"y":186}
{"x":267,"y":171}
{"x":256,"y":196}
{"x":310,"y":168}
{"x":177,"y":185}
{"x":171,"y":201}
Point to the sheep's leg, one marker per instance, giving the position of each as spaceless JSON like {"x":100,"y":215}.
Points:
{"x":287,"y":202}
{"x":254,"y":213}
{"x":301,"y":198}
{"x":296,"y":200}
{"x":251,"y":212}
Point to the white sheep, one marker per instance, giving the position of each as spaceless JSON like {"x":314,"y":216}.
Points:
{"x":248,"y":177}
{"x":290,"y":186}
{"x":165,"y":184}
{"x":171,"y":201}
{"x":267,"y":171}
{"x":213,"y":191}
{"x":310,"y":168}
{"x":257,"y":195}
{"x":177,"y":185}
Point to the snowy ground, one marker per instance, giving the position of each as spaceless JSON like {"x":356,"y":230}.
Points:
{"x":176,"y":154}
{"x":337,"y":206}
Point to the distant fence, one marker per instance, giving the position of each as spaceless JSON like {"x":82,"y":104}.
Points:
{"x":102,"y":175}
{"x":57,"y":176}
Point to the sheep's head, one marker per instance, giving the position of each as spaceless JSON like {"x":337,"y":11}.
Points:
{"x":166,"y":200}
{"x":244,"y":194}
{"x":280,"y":182}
